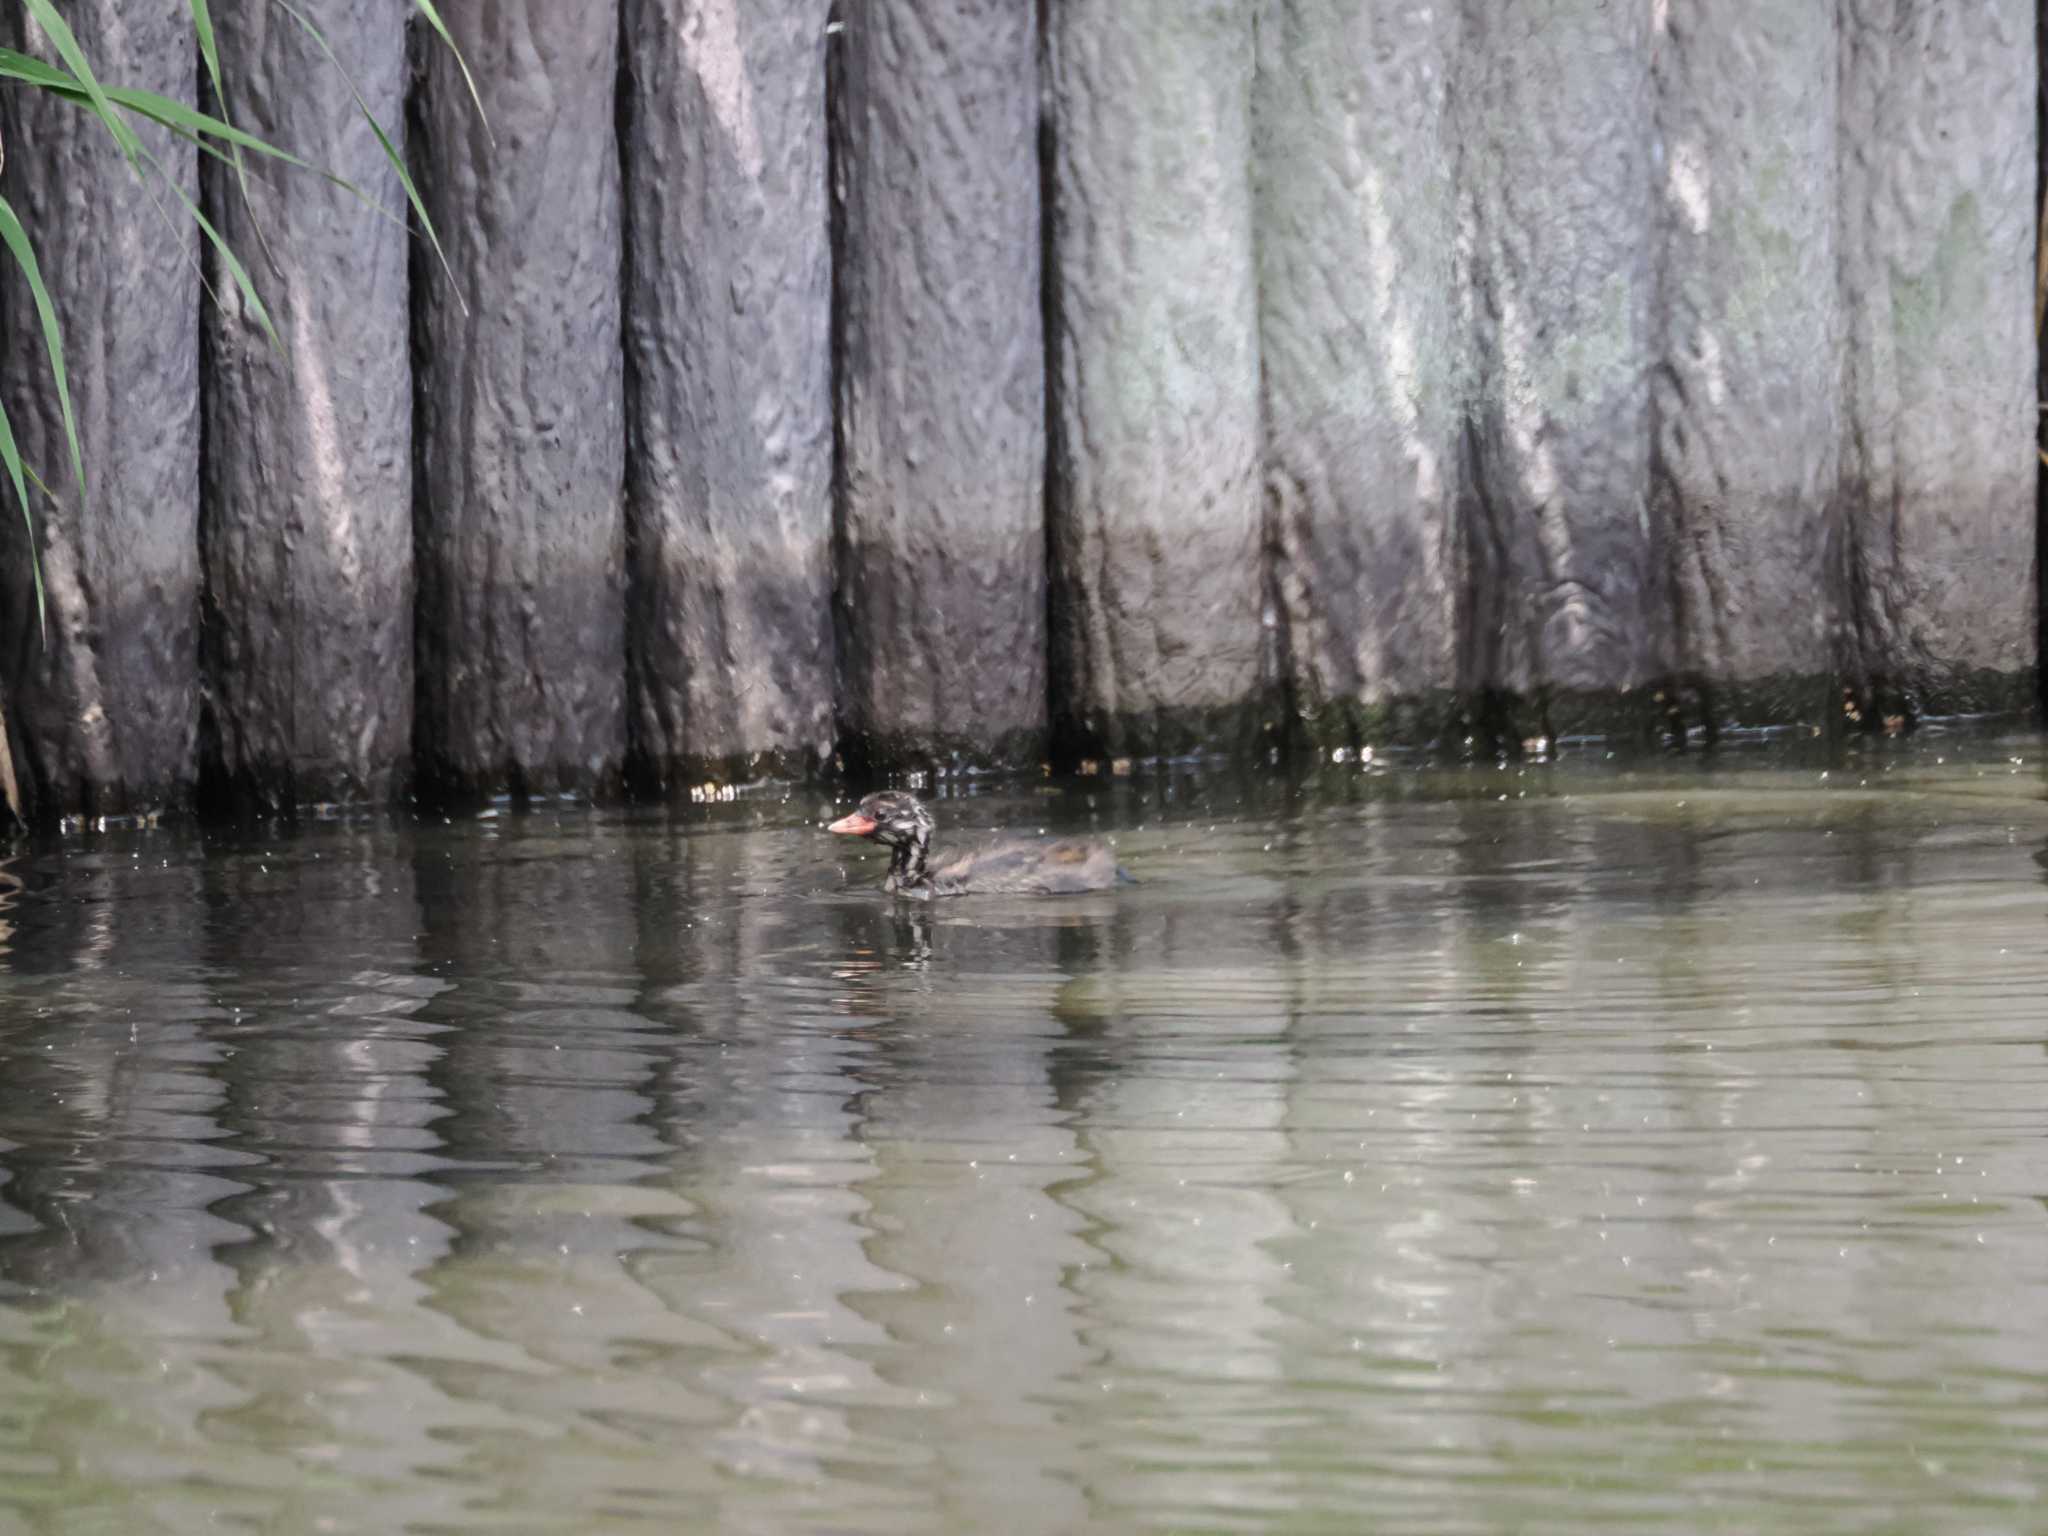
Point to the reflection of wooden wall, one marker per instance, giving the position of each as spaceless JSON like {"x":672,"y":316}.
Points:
{"x":835,"y":381}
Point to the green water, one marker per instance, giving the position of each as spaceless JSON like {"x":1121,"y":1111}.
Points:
{"x":1561,"y":1148}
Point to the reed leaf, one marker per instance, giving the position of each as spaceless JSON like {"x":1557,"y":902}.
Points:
{"x":15,"y":238}
{"x":391,"y":154}
{"x":426,"y":9}
{"x":10,"y":456}
{"x":232,"y":262}
{"x":61,"y":37}
{"x":184,"y":120}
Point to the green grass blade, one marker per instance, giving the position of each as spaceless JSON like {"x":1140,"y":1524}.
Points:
{"x":66,"y":43}
{"x":209,"y":51}
{"x":412,"y":195}
{"x":31,"y":70}
{"x":11,"y":457}
{"x":15,"y":238}
{"x":175,"y":115}
{"x":233,"y":263}
{"x":205,"y":147}
{"x":426,"y":9}
{"x":202,"y":27}
{"x":200,"y":130}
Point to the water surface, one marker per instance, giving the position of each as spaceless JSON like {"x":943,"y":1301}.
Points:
{"x":1552,"y":1148}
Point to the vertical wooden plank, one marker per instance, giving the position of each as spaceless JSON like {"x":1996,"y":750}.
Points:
{"x":941,"y":388}
{"x":1154,"y":503}
{"x":728,"y":346}
{"x":105,"y":703}
{"x":520,"y":613}
{"x":306,"y":511}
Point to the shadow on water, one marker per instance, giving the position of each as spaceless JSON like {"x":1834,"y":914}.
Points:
{"x":1501,"y":1147}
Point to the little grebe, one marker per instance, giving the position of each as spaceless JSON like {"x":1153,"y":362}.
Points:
{"x":901,"y":824}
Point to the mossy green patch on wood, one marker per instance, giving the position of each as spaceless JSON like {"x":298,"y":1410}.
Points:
{"x":1954,"y":285}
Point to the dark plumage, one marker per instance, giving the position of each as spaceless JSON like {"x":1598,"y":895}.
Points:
{"x":900,"y":823}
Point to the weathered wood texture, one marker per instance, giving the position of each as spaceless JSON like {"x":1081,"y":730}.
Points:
{"x":1746,"y":401}
{"x":104,"y":702}
{"x":941,"y":386}
{"x":1554,"y":110}
{"x":1155,"y":501}
{"x":306,"y":495}
{"x":1938,"y":200}
{"x":1366,"y":362}
{"x":729,"y":408}
{"x":518,"y":534}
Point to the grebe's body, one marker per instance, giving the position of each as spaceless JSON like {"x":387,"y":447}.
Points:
{"x":901,"y":824}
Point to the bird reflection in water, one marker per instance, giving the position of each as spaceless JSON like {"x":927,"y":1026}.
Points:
{"x":902,"y":944}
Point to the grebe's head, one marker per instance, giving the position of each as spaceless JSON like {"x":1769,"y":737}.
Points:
{"x":890,"y":817}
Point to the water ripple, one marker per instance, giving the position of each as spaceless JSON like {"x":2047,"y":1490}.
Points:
{"x":1543,"y":1148}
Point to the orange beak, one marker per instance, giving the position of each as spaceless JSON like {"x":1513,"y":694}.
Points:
{"x":853,"y":825}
